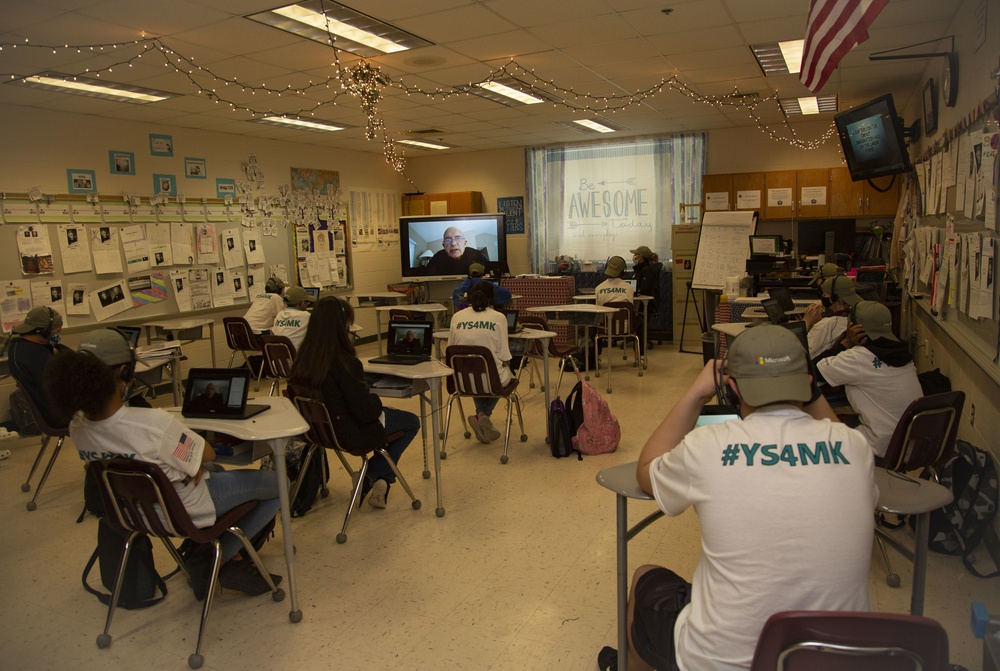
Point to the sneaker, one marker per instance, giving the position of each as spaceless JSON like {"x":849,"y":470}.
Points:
{"x":242,"y":576}
{"x":488,"y":430}
{"x":478,"y":429}
{"x":379,"y":494}
{"x":607,"y":659}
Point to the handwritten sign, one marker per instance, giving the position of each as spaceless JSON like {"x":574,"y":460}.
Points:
{"x":513,"y":208}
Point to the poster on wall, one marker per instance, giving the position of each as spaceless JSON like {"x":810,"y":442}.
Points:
{"x":73,"y":248}
{"x":15,"y":302}
{"x":50,"y":294}
{"x":513,"y":210}
{"x":149,"y":288}
{"x":310,"y":180}
{"x":104,"y":247}
{"x":110,"y":300}
{"x":364,"y":235}
{"x":76,"y":299}
{"x":34,"y":250}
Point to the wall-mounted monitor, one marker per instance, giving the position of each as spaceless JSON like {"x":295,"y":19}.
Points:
{"x":872,"y":138}
{"x":444,"y":246}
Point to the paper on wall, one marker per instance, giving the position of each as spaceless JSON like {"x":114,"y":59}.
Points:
{"x":222,"y":289}
{"x":199,"y":281}
{"x":206,"y":244}
{"x":961,"y":170}
{"x":975,"y":273}
{"x":280,"y":271}
{"x":136,"y":248}
{"x":148,"y":288}
{"x":232,"y":251}
{"x":181,"y":243}
{"x":256,"y":279}
{"x":34,"y":250}
{"x":74,"y":248}
{"x":987,"y":276}
{"x":238,"y":283}
{"x":49,"y":293}
{"x":990,"y":141}
{"x":14,"y":303}
{"x":110,"y":300}
{"x":104,"y":248}
{"x":252,"y":247}
{"x":181,"y":289}
{"x":83,"y":212}
{"x":160,"y":251}
{"x":76,"y":299}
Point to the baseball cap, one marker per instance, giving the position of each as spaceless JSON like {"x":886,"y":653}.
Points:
{"x":826,"y":271}
{"x":769,"y":365}
{"x":615,"y":266}
{"x":39,"y":319}
{"x":108,"y":345}
{"x":274,"y":285}
{"x":476,"y":270}
{"x":643,"y":251}
{"x":875,"y":319}
{"x":295,"y":295}
{"x":841,"y":287}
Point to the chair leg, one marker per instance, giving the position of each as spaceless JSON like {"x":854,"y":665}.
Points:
{"x":195,"y":660}
{"x":274,"y":386}
{"x":104,"y":639}
{"x":176,"y":557}
{"x":414,"y":501}
{"x":31,"y":505}
{"x":355,"y":495}
{"x":891,"y":578}
{"x":506,"y":434}
{"x":260,"y":374}
{"x":231,"y":357}
{"x":38,"y":458}
{"x":306,"y":456}
{"x":520,"y":416}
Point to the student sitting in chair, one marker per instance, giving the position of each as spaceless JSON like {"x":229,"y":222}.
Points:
{"x":614,"y":288}
{"x":744,"y":477}
{"x":293,"y":321}
{"x":824,"y":332}
{"x":460,"y":295}
{"x":32,"y":345}
{"x":90,"y":385}
{"x":265,"y":307}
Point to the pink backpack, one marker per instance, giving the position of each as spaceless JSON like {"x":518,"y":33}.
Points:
{"x":597,"y":429}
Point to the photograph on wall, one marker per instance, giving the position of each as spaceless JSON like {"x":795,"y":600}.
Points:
{"x":74,"y":248}
{"x":165,"y":185}
{"x":194,"y":168}
{"x":81,"y":181}
{"x":232,"y":251}
{"x":121,"y":162}
{"x":161,"y":145}
{"x":252,"y":247}
{"x":110,"y":300}
{"x":15,"y":302}
{"x":34,"y":250}
{"x":49,"y":294}
{"x":76,"y":299}
{"x":104,"y":249}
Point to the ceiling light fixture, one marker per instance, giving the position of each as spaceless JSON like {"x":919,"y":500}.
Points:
{"x":325,"y":21}
{"x":779,"y":58}
{"x":306,"y":124}
{"x":93,"y":88}
{"x":510,"y":92}
{"x":593,"y":125}
{"x":808,"y":105}
{"x":423,"y":144}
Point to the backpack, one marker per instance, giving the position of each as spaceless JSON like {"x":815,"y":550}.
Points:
{"x":561,"y":431}
{"x":21,"y":413}
{"x":595,"y":428}
{"x":313,"y":479}
{"x":93,"y":502}
{"x":959,"y":527}
{"x":141,"y":579}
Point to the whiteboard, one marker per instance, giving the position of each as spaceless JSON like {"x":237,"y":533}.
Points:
{"x":723,"y":248}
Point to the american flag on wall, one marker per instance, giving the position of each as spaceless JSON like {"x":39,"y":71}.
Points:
{"x":834,"y":27}
{"x":183,"y":449}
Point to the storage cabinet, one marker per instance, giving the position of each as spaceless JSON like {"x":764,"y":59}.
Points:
{"x":779,"y":202}
{"x":861,"y":199}
{"x":457,"y":202}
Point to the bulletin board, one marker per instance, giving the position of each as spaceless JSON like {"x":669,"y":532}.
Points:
{"x":723,"y":248}
{"x":105,"y":260}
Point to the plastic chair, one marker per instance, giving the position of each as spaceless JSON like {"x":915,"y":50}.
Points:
{"x":475,"y":374}
{"x":136,"y":493}
{"x":321,"y":434}
{"x":562,"y":353}
{"x":279,"y":355}
{"x":48,"y":431}
{"x":398,"y":314}
{"x":240,"y":339}
{"x":623,"y":330}
{"x":924,"y":439}
{"x":849,"y":641}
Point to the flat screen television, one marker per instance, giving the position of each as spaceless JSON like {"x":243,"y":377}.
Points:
{"x":872,"y":138}
{"x":444,"y":246}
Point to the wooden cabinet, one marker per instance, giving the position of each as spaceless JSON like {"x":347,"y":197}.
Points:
{"x":779,"y":194}
{"x":742,"y":191}
{"x":812,"y":193}
{"x":458,"y":202}
{"x":717,"y":193}
{"x":861,"y":199}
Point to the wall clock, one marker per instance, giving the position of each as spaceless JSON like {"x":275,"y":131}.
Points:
{"x":930,"y":107}
{"x":949,"y":80}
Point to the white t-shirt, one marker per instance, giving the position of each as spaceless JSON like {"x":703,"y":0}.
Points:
{"x":785,"y":504}
{"x":878,"y":392}
{"x":263,"y":311}
{"x":488,"y":329}
{"x":292,"y":323}
{"x":614,"y":289}
{"x":825,"y":334}
{"x":152,"y":435}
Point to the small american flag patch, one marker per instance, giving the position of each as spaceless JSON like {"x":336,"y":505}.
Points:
{"x":183,"y":449}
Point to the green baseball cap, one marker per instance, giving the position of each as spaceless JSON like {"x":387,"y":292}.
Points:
{"x":109,"y":346}
{"x":615,"y":266}
{"x":769,"y":365}
{"x":39,"y":319}
{"x":840,"y":287}
{"x":643,"y":251}
{"x":295,"y":295}
{"x":476,"y":270}
{"x":875,"y":319}
{"x":826,"y":271}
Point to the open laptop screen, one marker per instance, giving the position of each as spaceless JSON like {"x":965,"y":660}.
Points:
{"x":410,"y":337}
{"x":313,"y":292}
{"x":216,"y":392}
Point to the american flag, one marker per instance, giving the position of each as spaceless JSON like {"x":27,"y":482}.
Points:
{"x":183,"y":449}
{"x":833,"y":28}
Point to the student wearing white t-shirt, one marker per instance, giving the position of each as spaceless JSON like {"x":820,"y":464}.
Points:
{"x":743,"y":477}
{"x":480,"y":324}
{"x":90,"y":385}
{"x":839,"y":297}
{"x":876,"y":370}
{"x":293,"y":321}
{"x":614,"y":288}
{"x":265,"y":307}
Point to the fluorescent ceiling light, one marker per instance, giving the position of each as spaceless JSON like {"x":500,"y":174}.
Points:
{"x":510,"y":92}
{"x":306,"y":124}
{"x":779,"y":58}
{"x":808,"y":105}
{"x":352,"y":31}
{"x":424,"y":144}
{"x":594,"y":125}
{"x":93,"y":88}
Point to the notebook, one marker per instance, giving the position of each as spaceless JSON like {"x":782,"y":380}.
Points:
{"x":404,"y":350}
{"x":512,"y":324}
{"x":219,"y":393}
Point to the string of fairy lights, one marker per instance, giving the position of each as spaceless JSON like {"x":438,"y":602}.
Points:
{"x":365,"y":82}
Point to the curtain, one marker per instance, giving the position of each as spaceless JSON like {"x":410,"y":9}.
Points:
{"x":594,"y":201}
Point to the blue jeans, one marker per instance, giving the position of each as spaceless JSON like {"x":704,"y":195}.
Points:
{"x":231,"y":488}
{"x":484,"y":406}
{"x":395,"y":420}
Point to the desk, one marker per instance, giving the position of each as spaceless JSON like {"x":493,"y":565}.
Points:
{"x":185,"y":330}
{"x":643,"y":302}
{"x":378,"y":298}
{"x":146,"y":362}
{"x":525,"y":334}
{"x":269,"y":430}
{"x":621,"y":480}
{"x":431,"y":373}
{"x":583,"y":308}
{"x":425,"y":308}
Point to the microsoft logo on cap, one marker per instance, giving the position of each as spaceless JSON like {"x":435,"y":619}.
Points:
{"x":761,"y":360}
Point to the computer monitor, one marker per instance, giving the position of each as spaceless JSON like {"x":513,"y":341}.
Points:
{"x":765,"y":245}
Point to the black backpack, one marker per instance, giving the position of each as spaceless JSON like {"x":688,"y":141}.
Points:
{"x":141,"y":579}
{"x":312,"y":480}
{"x":561,"y":431}
{"x":960,"y":527}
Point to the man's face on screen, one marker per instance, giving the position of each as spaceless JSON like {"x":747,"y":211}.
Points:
{"x":454,"y":242}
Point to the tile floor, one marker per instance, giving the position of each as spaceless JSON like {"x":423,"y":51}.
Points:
{"x":519,"y":574}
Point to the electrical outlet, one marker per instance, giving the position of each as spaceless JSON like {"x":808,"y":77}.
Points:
{"x":972,"y":415}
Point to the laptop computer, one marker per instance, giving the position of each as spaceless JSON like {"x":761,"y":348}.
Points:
{"x":405,"y":349}
{"x":512,"y":324}
{"x":132,"y":333}
{"x":219,"y":393}
{"x":312,"y":292}
{"x":496,"y":269}
{"x":774,"y":310}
